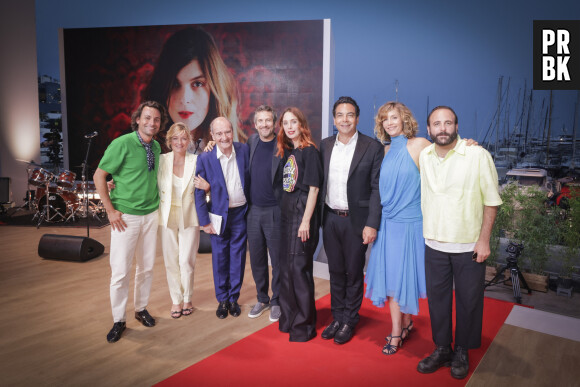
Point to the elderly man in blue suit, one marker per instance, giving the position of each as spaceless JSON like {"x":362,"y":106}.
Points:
{"x":226,"y":170}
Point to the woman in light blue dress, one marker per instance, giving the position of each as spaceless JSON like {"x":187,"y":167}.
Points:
{"x":396,"y":268}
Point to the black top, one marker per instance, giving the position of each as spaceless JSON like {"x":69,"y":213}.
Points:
{"x":302,"y":170}
{"x":261,"y":190}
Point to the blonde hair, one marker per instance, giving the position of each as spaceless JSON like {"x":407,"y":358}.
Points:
{"x":410,"y":125}
{"x":174,"y":130}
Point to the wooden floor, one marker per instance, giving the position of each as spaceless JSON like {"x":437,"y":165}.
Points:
{"x":523,"y":357}
{"x":56,"y":315}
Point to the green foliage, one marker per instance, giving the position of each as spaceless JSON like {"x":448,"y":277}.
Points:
{"x":524,"y":218}
{"x":570,"y":234}
{"x":503,"y":224}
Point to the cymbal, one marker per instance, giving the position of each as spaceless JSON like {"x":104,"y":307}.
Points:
{"x":31,"y":162}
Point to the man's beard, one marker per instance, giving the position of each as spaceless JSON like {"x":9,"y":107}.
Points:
{"x":440,"y":141}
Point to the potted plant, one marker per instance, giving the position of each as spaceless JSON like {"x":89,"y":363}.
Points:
{"x":501,"y":227}
{"x":570,"y":239}
{"x":524,"y":218}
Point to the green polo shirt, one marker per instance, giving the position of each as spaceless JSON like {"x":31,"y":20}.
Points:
{"x":455,"y":190}
{"x":135,"y":190}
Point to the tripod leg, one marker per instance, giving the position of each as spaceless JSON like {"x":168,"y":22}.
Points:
{"x":516,"y":284}
{"x":524,"y":282}
{"x":494,"y":280}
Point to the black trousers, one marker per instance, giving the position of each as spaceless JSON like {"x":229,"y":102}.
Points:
{"x":346,"y":260}
{"x":263,"y":237}
{"x":297,"y":302}
{"x":441,"y":271}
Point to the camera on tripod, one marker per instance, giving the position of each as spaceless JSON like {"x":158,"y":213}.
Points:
{"x":514,"y":250}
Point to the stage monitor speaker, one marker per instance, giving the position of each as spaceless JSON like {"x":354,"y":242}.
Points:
{"x":204,"y":243}
{"x":4,"y":189}
{"x":69,"y":248}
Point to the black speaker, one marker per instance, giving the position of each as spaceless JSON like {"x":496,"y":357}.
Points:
{"x":69,"y":248}
{"x":4,"y":189}
{"x":204,"y":243}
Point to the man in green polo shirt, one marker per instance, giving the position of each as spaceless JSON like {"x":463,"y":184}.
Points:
{"x":459,"y":200}
{"x":132,"y":160}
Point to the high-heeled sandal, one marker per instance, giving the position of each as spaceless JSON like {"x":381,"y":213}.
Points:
{"x":409,"y":328}
{"x":390,"y":349}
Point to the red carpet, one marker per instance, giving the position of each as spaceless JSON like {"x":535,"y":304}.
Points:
{"x":268,"y":358}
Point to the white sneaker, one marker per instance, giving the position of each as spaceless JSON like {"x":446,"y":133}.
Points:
{"x":258,"y":309}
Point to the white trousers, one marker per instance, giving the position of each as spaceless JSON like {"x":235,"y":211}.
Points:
{"x":179,"y":245}
{"x":138,"y":240}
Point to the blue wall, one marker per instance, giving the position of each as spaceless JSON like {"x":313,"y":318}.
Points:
{"x":452,"y":52}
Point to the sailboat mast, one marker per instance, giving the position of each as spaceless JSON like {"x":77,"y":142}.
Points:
{"x":521,"y":119}
{"x":506,"y":123}
{"x":572,"y":164}
{"x":498,"y":114}
{"x":530,"y":107}
{"x":549,"y":130}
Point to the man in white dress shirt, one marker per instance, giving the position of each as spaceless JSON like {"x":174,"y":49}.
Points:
{"x":225,"y":168}
{"x":351,"y":214}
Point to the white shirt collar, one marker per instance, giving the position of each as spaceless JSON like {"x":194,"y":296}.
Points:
{"x":353,"y":138}
{"x":219,"y":153}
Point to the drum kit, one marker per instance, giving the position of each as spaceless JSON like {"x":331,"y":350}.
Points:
{"x":61,"y":198}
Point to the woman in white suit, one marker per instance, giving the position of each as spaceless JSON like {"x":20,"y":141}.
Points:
{"x":178,"y":224}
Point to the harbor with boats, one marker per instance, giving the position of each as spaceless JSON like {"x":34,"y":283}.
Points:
{"x":525,"y":145}
{"x":539,"y":176}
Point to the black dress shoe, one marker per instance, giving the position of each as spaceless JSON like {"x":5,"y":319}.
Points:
{"x":344,"y":334}
{"x":235,"y":309}
{"x":115,"y":333}
{"x":222,"y":310}
{"x":329,"y":332}
{"x":440,"y":357}
{"x":460,"y":363}
{"x":145,"y":318}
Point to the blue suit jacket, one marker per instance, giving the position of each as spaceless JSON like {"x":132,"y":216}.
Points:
{"x":209,"y":167}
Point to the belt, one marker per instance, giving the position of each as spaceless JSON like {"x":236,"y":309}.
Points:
{"x":342,"y":213}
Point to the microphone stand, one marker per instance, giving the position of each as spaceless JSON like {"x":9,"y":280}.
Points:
{"x":85,"y":182}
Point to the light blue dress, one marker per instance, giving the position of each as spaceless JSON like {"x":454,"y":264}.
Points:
{"x":396,"y":266}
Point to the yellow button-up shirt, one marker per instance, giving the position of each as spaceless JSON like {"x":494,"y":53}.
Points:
{"x":455,"y":190}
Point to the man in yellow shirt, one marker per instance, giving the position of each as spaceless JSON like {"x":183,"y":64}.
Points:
{"x":459,"y":200}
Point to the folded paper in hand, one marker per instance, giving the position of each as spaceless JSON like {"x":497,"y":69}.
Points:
{"x":216,"y":222}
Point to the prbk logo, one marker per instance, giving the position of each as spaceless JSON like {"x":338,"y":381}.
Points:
{"x":557,"y":54}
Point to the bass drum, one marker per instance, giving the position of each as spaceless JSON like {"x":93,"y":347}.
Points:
{"x":61,"y":204}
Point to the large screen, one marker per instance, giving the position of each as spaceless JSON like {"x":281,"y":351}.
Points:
{"x":198,"y":72}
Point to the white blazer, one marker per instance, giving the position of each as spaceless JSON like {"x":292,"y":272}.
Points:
{"x":165,"y":185}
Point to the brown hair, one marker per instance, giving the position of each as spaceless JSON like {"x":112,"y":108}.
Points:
{"x":439,"y":108}
{"x":265,"y":108}
{"x":178,"y":51}
{"x":152,"y":104}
